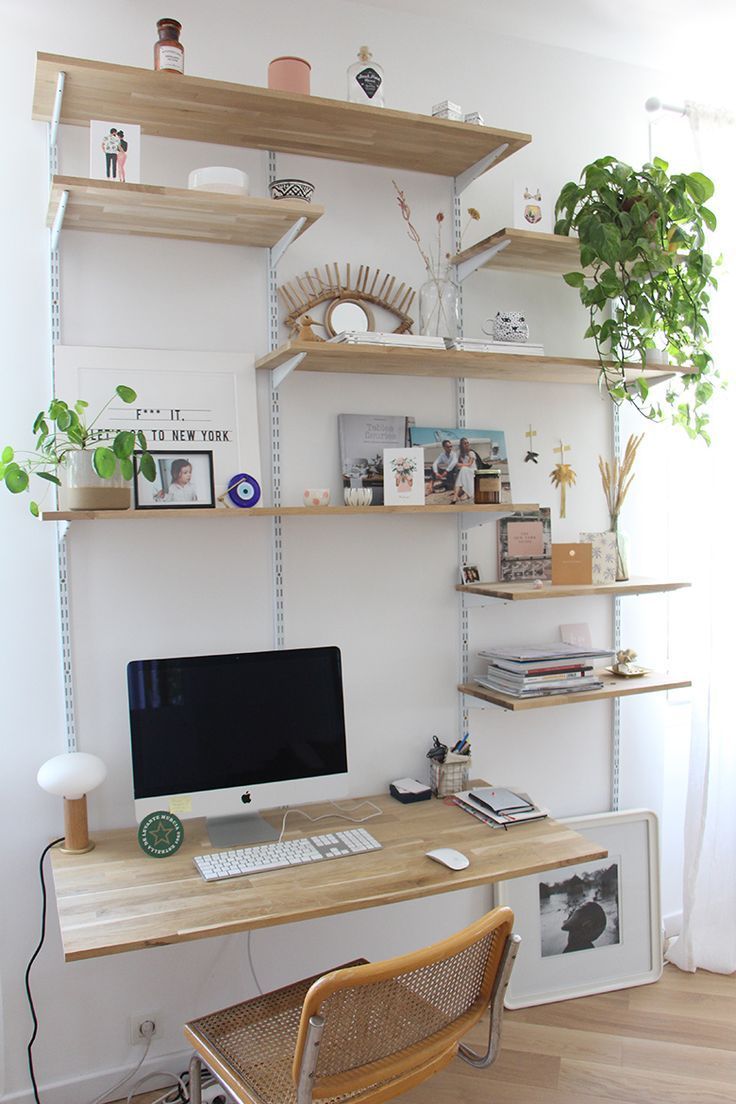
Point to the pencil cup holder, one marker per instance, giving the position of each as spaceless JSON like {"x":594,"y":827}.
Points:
{"x":449,"y":777}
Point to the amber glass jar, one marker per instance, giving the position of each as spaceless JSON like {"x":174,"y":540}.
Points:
{"x":487,"y":486}
{"x":168,"y":52}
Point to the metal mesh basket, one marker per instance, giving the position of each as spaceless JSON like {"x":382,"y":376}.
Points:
{"x":450,"y":776}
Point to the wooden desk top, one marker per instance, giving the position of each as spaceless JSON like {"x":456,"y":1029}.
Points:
{"x":116,"y":899}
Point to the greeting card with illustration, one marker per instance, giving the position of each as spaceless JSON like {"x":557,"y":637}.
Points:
{"x":533,"y":205}
{"x":403,"y":477}
{"x":115,"y":152}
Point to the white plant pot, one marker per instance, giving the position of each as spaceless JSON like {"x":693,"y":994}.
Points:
{"x":85,"y":490}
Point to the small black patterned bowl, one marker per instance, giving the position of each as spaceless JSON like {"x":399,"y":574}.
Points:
{"x":291,"y":189}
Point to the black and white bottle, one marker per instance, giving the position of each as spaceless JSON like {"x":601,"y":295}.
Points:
{"x":365,"y":80}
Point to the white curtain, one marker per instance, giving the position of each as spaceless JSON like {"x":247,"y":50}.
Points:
{"x":708,"y":937}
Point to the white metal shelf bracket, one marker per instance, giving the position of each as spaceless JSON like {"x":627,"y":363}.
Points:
{"x":277,"y":251}
{"x":58,"y":221}
{"x":472,"y":264}
{"x":278,"y":375}
{"x":56,"y":111}
{"x":469,"y":175}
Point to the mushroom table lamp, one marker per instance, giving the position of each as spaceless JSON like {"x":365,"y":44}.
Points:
{"x":72,"y":776}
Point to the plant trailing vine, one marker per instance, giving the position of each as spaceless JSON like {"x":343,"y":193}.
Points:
{"x":645,"y":279}
{"x":63,"y":429}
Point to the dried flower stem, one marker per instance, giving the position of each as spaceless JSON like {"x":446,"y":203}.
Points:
{"x":618,"y":477}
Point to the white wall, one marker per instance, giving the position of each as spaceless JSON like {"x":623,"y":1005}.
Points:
{"x":379,"y":587}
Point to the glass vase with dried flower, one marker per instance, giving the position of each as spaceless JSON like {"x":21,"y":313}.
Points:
{"x":616,"y":479}
{"x":438,"y":295}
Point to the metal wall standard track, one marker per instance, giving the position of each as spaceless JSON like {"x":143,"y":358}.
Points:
{"x":62,"y":551}
{"x":616,"y":705}
{"x":462,"y":532}
{"x":277,"y":537}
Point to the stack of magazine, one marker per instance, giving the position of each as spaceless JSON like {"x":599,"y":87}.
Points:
{"x":542,"y":670}
{"x":371,"y":337}
{"x":498,"y":806}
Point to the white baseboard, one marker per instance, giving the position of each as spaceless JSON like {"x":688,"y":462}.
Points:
{"x":87,"y":1087}
{"x":672,"y":924}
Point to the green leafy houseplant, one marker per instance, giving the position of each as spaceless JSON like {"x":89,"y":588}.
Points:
{"x":645,"y":278}
{"x":62,"y":430}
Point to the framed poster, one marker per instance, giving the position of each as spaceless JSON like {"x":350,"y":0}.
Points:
{"x":591,"y":927}
{"x":186,"y":400}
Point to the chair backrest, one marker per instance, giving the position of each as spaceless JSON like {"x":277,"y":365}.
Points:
{"x":392,"y":1023}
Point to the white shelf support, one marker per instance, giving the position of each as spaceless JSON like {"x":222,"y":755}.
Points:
{"x":277,"y":251}
{"x":469,"y":175}
{"x":56,"y":111}
{"x":59,"y":221}
{"x":472,"y":264}
{"x":278,"y":375}
{"x":277,"y":532}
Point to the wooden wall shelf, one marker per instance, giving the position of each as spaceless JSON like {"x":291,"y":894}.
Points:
{"x":390,"y":360}
{"x":281,"y":511}
{"x":191,"y":108}
{"x":613,"y":687}
{"x":112,"y":208}
{"x":525,"y":592}
{"x":526,"y":251}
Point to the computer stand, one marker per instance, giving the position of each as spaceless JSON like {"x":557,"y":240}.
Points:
{"x":240,"y":831}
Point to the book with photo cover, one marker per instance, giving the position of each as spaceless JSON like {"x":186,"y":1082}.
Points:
{"x":361,"y":440}
{"x":525,"y":546}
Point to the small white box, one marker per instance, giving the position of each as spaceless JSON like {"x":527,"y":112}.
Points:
{"x":475,"y":117}
{"x":448,"y":110}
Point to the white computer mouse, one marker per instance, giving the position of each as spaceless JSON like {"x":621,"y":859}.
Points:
{"x":449,"y":857}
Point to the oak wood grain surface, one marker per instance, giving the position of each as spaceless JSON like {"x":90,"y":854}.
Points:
{"x":526,"y":591}
{"x":118,"y":899}
{"x":173,"y":105}
{"x":614,"y":686}
{"x":191,"y":214}
{"x":405,"y":360}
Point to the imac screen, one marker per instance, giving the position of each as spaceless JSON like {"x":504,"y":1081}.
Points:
{"x":213,"y":722}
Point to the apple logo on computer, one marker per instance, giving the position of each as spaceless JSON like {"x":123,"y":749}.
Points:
{"x":245,"y":798}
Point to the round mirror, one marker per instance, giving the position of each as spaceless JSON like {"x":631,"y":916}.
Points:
{"x":345,"y":315}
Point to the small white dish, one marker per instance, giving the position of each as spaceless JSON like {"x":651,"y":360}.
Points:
{"x":219,"y":178}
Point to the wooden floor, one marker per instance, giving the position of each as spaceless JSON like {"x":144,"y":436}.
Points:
{"x":673,"y":1042}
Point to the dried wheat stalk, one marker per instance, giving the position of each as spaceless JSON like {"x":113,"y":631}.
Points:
{"x":617,"y":478}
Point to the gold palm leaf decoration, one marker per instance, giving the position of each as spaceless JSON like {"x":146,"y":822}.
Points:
{"x":562,"y":476}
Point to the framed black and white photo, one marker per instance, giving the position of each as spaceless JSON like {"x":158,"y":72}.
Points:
{"x":591,"y":927}
{"x":184,"y":480}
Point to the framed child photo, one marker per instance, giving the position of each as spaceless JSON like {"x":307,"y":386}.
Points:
{"x":184,"y":481}
{"x":594,"y":926}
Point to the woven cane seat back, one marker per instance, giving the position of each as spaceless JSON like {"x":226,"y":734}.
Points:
{"x":382,"y":1020}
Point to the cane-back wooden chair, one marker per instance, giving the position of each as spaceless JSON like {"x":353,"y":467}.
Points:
{"x":364,"y":1032}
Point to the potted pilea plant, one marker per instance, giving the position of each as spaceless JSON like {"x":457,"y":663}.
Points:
{"x":645,"y":279}
{"x":98,"y":462}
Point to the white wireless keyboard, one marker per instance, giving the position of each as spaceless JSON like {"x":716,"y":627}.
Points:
{"x":273,"y":856}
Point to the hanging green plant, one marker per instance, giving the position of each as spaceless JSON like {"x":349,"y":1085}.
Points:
{"x":62,"y":430}
{"x":645,"y":279}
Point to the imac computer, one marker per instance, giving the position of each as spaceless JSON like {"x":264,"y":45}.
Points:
{"x":224,"y":736}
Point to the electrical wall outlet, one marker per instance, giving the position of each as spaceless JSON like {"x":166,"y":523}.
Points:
{"x":138,"y":1019}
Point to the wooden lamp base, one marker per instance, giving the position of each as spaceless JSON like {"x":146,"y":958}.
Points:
{"x":76,"y":834}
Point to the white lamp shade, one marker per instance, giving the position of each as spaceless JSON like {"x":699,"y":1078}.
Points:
{"x":71,"y":775}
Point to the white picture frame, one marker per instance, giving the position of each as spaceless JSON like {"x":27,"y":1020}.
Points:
{"x":629,"y":949}
{"x":189,"y":400}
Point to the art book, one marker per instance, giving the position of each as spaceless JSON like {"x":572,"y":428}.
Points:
{"x":452,"y":457}
{"x":362,"y":439}
{"x":525,"y":546}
